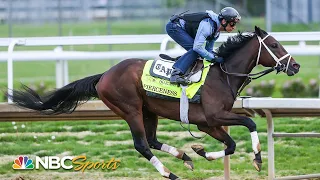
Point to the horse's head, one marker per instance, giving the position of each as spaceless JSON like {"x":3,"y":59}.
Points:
{"x":272,"y":54}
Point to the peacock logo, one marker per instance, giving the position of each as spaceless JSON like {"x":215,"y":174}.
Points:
{"x":23,"y":162}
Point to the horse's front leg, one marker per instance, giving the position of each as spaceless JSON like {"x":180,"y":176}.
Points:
{"x":226,"y":118}
{"x":221,"y":135}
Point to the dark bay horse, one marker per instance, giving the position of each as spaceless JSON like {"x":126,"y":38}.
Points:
{"x":120,"y":88}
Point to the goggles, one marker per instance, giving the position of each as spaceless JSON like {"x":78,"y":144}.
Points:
{"x":232,"y":23}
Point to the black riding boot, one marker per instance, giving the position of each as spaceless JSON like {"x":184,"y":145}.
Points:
{"x":176,"y":77}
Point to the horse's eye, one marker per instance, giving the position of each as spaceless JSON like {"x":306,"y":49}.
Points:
{"x":274,"y":45}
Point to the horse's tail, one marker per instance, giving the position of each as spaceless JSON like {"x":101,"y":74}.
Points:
{"x":63,"y":100}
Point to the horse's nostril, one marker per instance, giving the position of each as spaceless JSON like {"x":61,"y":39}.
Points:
{"x":296,"y":65}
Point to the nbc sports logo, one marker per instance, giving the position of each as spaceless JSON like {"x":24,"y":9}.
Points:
{"x":55,"y":162}
{"x":23,"y":162}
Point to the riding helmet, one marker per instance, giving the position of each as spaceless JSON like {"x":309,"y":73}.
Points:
{"x":229,"y":14}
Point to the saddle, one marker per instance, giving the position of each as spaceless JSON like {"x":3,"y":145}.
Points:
{"x":167,"y":57}
{"x":162,"y":68}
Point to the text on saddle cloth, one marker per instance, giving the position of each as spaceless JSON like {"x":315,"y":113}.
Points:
{"x":162,"y":68}
{"x":156,"y":75}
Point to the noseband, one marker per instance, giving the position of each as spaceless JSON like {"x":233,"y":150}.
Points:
{"x":279,"y":66}
{"x":249,"y":77}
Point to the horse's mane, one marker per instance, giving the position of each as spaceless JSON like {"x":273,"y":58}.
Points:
{"x":233,"y":44}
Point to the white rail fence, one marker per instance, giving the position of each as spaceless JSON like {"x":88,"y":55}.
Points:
{"x":62,"y":57}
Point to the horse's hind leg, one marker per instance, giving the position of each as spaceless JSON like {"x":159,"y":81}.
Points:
{"x":141,"y":145}
{"x":130,"y":110}
{"x":221,"y":135}
{"x":150,"y":121}
{"x":135,"y":122}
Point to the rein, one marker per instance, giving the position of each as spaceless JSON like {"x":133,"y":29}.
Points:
{"x":249,"y":77}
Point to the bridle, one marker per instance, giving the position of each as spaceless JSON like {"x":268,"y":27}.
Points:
{"x":249,"y":77}
{"x":279,"y":66}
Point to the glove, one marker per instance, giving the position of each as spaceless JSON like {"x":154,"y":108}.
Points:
{"x":218,"y":59}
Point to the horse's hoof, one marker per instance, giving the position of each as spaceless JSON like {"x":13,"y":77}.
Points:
{"x":173,"y":177}
{"x":197,"y":148}
{"x":188,"y":164}
{"x":257,"y":165}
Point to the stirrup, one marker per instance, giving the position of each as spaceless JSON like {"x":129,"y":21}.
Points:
{"x":177,"y":79}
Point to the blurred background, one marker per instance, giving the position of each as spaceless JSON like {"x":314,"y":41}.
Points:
{"x":17,"y":14}
{"x":42,"y":18}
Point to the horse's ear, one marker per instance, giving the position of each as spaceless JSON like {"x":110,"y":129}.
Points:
{"x":257,"y":31}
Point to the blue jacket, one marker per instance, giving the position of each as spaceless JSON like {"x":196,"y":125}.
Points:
{"x":205,"y":29}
